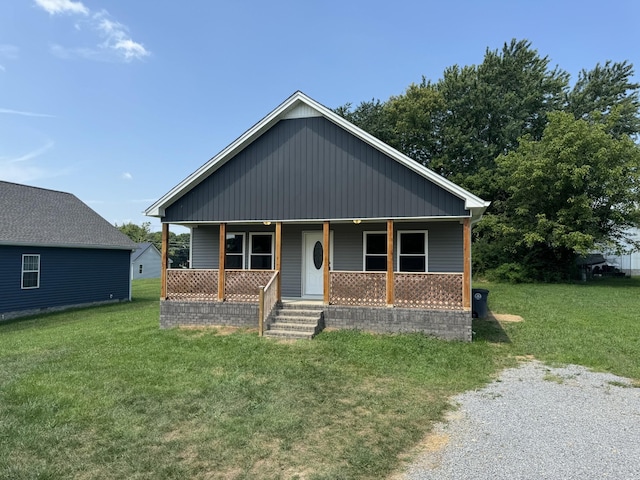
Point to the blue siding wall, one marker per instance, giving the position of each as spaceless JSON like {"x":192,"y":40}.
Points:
{"x":68,"y":276}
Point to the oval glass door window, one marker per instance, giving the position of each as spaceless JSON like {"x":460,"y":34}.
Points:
{"x":317,"y":255}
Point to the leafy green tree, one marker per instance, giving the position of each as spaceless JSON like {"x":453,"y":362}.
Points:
{"x":607,"y":95}
{"x":415,"y":120}
{"x":137,"y":233}
{"x":489,"y":107}
{"x":574,"y":189}
{"x":371,"y":117}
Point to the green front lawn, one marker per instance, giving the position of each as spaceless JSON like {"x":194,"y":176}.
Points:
{"x":104,"y":393}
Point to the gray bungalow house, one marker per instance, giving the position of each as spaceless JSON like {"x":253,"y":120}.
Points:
{"x":56,"y":252}
{"x":307,"y":219}
{"x":145,"y":261}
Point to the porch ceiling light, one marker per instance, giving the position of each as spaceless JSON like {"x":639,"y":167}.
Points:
{"x":357,"y":221}
{"x":267,"y":223}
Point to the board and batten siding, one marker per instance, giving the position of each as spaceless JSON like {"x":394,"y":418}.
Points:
{"x":309,"y":168}
{"x":68,"y":276}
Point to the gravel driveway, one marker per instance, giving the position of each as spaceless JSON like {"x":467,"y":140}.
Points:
{"x":538,"y":422}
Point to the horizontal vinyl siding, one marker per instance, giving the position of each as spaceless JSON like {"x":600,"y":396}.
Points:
{"x":292,"y":259}
{"x":205,"y":241}
{"x":68,"y":276}
{"x":309,"y":168}
{"x":150,"y":261}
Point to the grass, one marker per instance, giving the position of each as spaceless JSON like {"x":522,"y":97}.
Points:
{"x":104,"y":393}
{"x":595,"y":324}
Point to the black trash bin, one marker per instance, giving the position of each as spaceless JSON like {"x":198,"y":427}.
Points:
{"x":480,"y":308}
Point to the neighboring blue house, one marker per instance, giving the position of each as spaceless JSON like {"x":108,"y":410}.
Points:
{"x":145,"y":261}
{"x":56,"y":252}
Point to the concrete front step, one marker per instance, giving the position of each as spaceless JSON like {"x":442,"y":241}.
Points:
{"x":296,"y":319}
{"x":295,"y":323}
{"x":303,"y":327}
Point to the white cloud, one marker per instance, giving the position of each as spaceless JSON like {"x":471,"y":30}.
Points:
{"x":116,"y":37}
{"x":116,"y":41}
{"x":127,"y":176}
{"x":2,"y":69}
{"x":25,"y":114}
{"x":20,"y":170}
{"x":54,"y":7}
{"x":31,"y":155}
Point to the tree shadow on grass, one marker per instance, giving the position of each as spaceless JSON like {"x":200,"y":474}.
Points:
{"x":489,"y":330}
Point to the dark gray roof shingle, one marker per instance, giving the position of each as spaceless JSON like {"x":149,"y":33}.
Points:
{"x":37,"y":216}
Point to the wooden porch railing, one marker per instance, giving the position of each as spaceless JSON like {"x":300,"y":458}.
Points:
{"x":358,"y":288}
{"x":411,"y":290}
{"x":268,"y":297}
{"x":192,"y":284}
{"x":243,"y":285}
{"x":429,"y":290}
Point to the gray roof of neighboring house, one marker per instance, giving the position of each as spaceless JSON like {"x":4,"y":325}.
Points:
{"x":40,"y":217}
{"x":142,"y":247}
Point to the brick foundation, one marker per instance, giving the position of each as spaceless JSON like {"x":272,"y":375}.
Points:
{"x":233,"y":314}
{"x":446,"y":324}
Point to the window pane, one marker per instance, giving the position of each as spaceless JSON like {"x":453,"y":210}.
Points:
{"x":261,"y":244}
{"x":375,"y":264}
{"x":412,"y":243}
{"x":412,"y":264}
{"x":234,"y":243}
{"x":30,"y":279}
{"x":376,"y":243}
{"x":261,"y":262}
{"x":30,"y":262}
{"x":233,"y":261}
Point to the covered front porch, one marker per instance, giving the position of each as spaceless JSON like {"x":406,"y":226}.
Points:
{"x":366,"y":290}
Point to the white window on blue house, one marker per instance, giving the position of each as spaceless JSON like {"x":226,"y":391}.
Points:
{"x":234,"y":249}
{"x":261,"y":254}
{"x":30,"y":271}
{"x":375,"y":251}
{"x":412,"y":251}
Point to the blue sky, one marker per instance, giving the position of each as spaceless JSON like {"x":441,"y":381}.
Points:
{"x":116,"y":101}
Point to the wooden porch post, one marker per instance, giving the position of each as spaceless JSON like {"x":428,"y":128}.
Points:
{"x":466,"y":275}
{"x":390,"y":278}
{"x":279,"y":259}
{"x":325,"y":262}
{"x":165,"y":261}
{"x":222,"y":256}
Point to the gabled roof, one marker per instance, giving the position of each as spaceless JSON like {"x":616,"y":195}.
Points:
{"x":143,"y":247}
{"x":300,"y":105}
{"x":34,"y":216}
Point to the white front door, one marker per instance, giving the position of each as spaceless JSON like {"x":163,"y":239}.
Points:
{"x":312,"y":264}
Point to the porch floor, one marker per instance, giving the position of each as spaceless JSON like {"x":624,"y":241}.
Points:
{"x":302,"y":302}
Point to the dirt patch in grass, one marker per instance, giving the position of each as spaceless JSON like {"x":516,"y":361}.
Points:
{"x":216,"y":330}
{"x":505,"y":317}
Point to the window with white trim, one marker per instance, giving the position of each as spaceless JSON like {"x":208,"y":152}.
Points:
{"x":261,"y":251}
{"x":375,"y":251}
{"x":412,"y":251}
{"x":234,"y":251}
{"x":30,"y":271}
